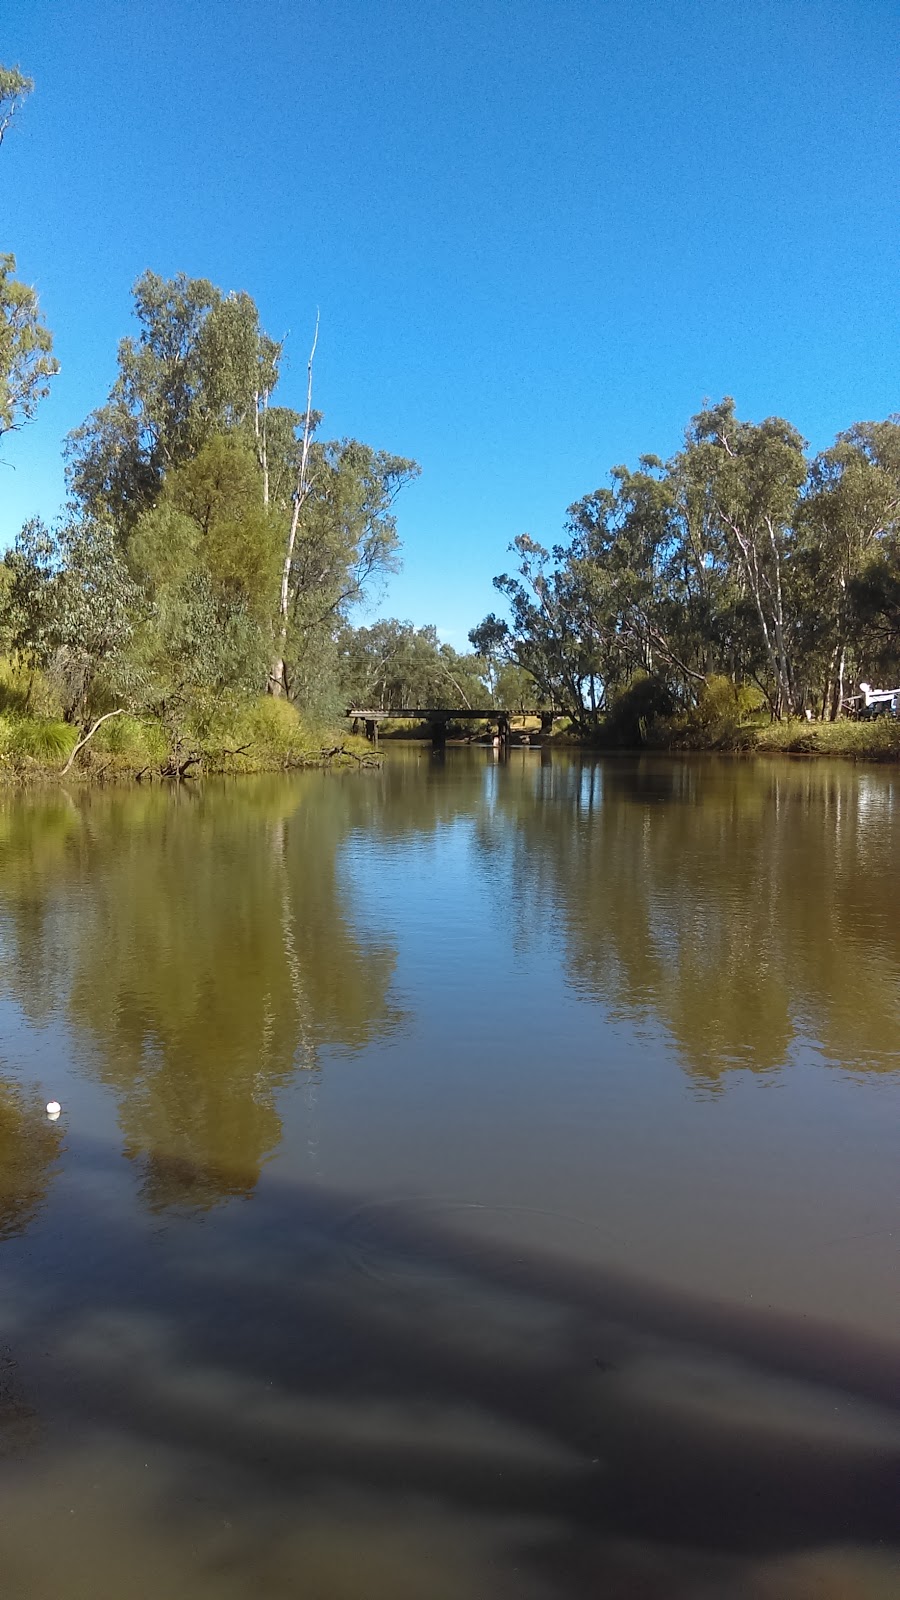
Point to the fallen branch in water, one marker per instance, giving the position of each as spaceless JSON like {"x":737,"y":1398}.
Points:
{"x":366,"y":760}
{"x":178,"y":769}
{"x":89,"y":735}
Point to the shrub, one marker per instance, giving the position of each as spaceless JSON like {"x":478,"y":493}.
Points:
{"x":719,"y":721}
{"x":40,"y":740}
{"x":635,"y":712}
{"x":26,"y":691}
{"x":878,"y":740}
{"x":135,"y":740}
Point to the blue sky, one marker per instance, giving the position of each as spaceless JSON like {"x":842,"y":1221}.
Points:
{"x":540,"y":232}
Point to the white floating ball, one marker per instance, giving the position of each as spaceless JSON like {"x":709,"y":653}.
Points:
{"x":53,"y":1108}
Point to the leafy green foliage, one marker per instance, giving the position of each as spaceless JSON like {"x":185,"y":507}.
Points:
{"x":635,"y":710}
{"x":14,"y":90}
{"x":26,"y":360}
{"x":738,"y":561}
{"x":726,"y":717}
{"x":72,"y":607}
{"x":38,"y":741}
{"x":206,"y":557}
{"x":347,"y":539}
{"x":394,"y":664}
{"x":197,"y":475}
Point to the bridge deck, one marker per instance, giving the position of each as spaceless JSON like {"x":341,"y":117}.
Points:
{"x":431,"y":713}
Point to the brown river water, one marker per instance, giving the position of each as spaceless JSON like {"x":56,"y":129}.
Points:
{"x":476,"y":1180}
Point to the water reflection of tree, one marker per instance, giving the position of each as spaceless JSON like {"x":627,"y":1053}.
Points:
{"x":29,"y":1147}
{"x":209,"y":954}
{"x":38,"y":834}
{"x":739,"y":904}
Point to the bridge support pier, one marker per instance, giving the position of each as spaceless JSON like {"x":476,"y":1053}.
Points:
{"x":372,"y":731}
{"x":546,"y":724}
{"x":439,"y":733}
{"x":503,"y":729}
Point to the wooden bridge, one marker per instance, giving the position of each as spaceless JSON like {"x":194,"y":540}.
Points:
{"x":438,"y":717}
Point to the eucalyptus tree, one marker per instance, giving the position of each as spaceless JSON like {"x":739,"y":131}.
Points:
{"x":15,"y":88}
{"x":234,"y":517}
{"x":205,"y":556}
{"x":629,"y":593}
{"x":875,"y":613}
{"x":555,"y":632}
{"x":393,"y":664}
{"x":27,"y":362}
{"x":200,"y":365}
{"x":634,"y":557}
{"x":346,"y":539}
{"x":849,"y":526}
{"x":488,"y":640}
{"x":72,"y":609}
{"x":752,"y":475}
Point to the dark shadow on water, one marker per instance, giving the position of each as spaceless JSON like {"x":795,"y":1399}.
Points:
{"x":310,"y":1338}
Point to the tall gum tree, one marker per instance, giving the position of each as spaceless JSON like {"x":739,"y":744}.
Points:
{"x":738,"y":562}
{"x":850,"y":516}
{"x":189,"y":415}
{"x":753,"y":474}
{"x":27,"y":362}
{"x":14,"y":91}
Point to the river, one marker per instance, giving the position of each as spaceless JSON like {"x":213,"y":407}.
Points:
{"x":476,"y":1179}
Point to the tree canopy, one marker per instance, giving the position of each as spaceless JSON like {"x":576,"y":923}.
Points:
{"x":14,"y":90}
{"x":220,"y":528}
{"x":27,"y":362}
{"x":394,"y":664}
{"x":741,"y":558}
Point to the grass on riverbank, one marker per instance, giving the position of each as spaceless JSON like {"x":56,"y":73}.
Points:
{"x":733,"y":718}
{"x":875,"y":740}
{"x":265,"y":735}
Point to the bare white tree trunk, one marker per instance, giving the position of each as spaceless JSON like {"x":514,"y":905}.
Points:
{"x":767,"y":598}
{"x":89,"y":735}
{"x":261,"y":403}
{"x":301,"y":495}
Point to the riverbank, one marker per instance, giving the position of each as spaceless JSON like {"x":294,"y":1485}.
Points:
{"x":270,"y":736}
{"x":264,"y":736}
{"x":877,"y":739}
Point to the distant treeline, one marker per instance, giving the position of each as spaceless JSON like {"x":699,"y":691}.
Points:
{"x":740,"y":565}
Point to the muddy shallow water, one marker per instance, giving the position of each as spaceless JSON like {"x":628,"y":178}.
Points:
{"x":477,"y":1178}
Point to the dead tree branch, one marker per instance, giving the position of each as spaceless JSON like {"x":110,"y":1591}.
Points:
{"x":89,"y":735}
{"x":301,"y":495}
